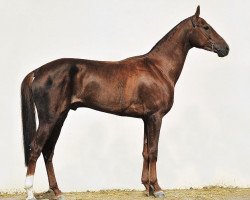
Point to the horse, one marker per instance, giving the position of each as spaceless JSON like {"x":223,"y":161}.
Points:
{"x":140,"y":87}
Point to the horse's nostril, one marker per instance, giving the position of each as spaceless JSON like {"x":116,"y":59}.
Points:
{"x":227,"y":48}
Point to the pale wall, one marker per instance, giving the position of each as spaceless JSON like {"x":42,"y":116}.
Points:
{"x":204,"y":139}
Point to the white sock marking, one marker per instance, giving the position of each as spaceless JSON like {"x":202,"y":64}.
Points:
{"x":29,"y":186}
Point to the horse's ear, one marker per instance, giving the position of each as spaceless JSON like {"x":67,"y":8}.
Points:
{"x":196,"y":16}
{"x":197,"y":13}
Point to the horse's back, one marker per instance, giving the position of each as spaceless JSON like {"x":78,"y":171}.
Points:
{"x":118,"y":87}
{"x":64,"y":80}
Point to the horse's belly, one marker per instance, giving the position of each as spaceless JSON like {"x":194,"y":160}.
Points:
{"x":107,"y":98}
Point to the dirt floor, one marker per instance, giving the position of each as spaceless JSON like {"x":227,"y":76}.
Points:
{"x":206,"y":193}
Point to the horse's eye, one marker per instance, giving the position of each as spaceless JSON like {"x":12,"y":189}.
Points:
{"x":206,"y":27}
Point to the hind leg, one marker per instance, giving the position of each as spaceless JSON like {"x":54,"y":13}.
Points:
{"x":48,"y":152}
{"x":36,"y":147}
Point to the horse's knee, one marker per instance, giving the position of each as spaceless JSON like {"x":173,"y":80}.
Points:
{"x":145,"y":155}
{"x":153,"y":154}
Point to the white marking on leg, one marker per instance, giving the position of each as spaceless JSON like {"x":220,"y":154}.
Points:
{"x":29,"y":187}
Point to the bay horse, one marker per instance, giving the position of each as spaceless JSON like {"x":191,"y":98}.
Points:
{"x":140,"y":87}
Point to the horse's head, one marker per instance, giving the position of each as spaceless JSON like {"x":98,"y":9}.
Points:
{"x":205,"y":37}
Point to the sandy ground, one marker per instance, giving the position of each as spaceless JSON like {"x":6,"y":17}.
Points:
{"x":207,"y":193}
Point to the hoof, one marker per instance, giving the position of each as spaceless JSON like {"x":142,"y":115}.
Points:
{"x":159,"y":194}
{"x":60,"y":197}
{"x":33,"y":198}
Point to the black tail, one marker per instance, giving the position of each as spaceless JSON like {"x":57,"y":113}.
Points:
{"x":28,"y":115}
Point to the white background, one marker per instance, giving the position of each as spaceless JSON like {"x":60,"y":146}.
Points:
{"x":205,"y":139}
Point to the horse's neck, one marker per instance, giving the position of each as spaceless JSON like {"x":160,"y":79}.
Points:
{"x":170,"y":52}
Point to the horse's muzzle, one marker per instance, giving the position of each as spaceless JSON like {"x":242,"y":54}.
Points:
{"x":221,"y":51}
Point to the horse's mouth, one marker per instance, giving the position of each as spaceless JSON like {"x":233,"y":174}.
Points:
{"x":221,"y":52}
